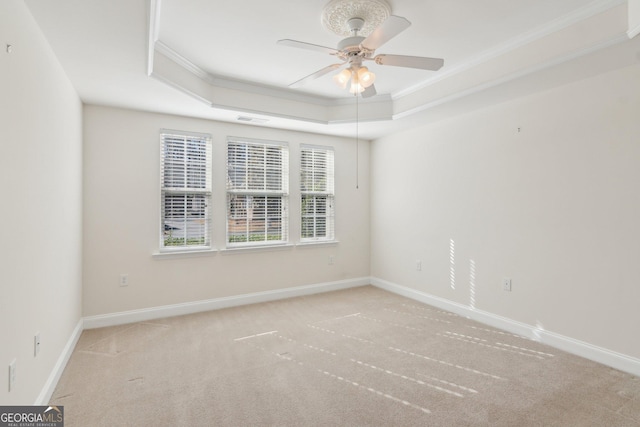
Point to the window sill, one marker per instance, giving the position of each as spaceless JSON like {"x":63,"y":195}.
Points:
{"x":239,"y":249}
{"x":184,"y":253}
{"x":317,"y":243}
{"x":243,"y":249}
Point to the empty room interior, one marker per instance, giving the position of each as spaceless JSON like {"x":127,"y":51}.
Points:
{"x":345,"y":212}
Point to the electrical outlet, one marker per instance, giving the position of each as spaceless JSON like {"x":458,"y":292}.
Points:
{"x":124,"y":280}
{"x":12,"y":374}
{"x":506,"y":284}
{"x":419,"y":265}
{"x":36,"y":344}
{"x":332,"y":259}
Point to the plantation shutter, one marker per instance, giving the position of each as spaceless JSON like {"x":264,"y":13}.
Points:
{"x":257,"y":192}
{"x":185,"y":179}
{"x":317,"y":193}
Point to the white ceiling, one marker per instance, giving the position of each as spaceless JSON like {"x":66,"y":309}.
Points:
{"x":219,"y":59}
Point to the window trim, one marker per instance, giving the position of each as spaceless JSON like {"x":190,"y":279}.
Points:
{"x":190,"y":253}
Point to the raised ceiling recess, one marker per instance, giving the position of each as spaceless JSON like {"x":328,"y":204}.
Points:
{"x":531,"y":47}
{"x":337,"y":13}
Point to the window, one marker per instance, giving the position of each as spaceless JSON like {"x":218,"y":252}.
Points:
{"x":317,"y":193}
{"x":257,"y":192}
{"x":185,"y":180}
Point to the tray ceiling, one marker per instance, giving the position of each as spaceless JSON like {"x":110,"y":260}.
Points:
{"x":220,"y":60}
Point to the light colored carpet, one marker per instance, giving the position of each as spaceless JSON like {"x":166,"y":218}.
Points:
{"x":356,"y":357}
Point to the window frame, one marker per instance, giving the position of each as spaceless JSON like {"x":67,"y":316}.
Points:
{"x":203,"y":192}
{"x":328,"y":193}
{"x":254,"y":195}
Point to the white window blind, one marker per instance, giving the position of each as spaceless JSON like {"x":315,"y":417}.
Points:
{"x":185,"y":180}
{"x":257,"y":192}
{"x":317,"y":193}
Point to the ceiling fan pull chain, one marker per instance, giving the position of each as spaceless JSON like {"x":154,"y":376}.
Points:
{"x":357,"y":143}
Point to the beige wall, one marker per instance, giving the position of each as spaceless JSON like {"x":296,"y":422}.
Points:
{"x":41,"y":214}
{"x":543,"y":190}
{"x":121,"y":218}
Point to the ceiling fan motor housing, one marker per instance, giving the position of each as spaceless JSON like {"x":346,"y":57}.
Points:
{"x":355,"y":24}
{"x":350,"y":45}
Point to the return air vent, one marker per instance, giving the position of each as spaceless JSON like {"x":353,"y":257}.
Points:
{"x":251,"y":119}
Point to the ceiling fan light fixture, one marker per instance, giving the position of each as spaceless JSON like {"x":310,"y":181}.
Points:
{"x":366,"y":77}
{"x":360,"y":77}
{"x":356,"y":87}
{"x":342,"y":78}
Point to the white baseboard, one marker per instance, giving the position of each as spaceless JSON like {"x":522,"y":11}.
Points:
{"x":133,"y":316}
{"x":50,"y":385}
{"x":579,"y":348}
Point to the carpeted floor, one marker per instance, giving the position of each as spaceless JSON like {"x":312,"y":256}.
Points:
{"x":357,"y":357}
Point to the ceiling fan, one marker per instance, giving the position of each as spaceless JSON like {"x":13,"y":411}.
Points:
{"x":355,"y":49}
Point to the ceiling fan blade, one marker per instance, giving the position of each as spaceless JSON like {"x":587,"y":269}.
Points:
{"x":369,"y":92}
{"x":308,"y":46}
{"x":315,"y":75}
{"x":390,"y":28}
{"x":421,"y":62}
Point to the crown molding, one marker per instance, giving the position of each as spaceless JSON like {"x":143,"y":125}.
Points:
{"x":228,"y":83}
{"x":556,"y":25}
{"x":514,"y":76}
{"x":382,"y":98}
{"x":244,"y":86}
{"x":162,"y":48}
{"x":153,"y":27}
{"x":221,"y":93}
{"x":197,"y":85}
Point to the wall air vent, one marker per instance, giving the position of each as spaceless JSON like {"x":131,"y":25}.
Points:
{"x":251,"y":119}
